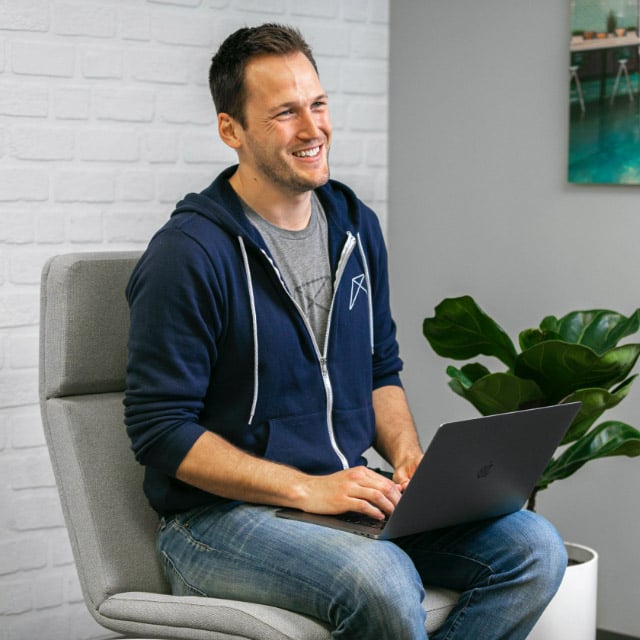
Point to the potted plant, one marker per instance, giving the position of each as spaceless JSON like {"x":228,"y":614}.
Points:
{"x":573,"y":358}
{"x":612,"y":22}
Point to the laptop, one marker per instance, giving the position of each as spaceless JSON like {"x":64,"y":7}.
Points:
{"x":472,"y":470}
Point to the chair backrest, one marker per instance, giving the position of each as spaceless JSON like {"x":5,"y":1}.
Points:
{"x":83,"y":352}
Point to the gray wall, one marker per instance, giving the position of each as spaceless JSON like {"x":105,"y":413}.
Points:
{"x":479,"y":204}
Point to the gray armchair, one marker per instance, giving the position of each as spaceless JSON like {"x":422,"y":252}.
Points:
{"x":83,"y":334}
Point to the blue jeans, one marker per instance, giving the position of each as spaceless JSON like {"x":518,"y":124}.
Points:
{"x":506,"y":569}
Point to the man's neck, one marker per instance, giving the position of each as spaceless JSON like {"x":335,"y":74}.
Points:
{"x":287,"y":211}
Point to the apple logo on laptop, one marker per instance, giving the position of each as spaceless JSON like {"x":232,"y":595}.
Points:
{"x":485,"y":470}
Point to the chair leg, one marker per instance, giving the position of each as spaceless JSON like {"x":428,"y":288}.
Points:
{"x":616,"y":83}
{"x":622,"y":68}
{"x":576,"y":79}
{"x":626,"y":76}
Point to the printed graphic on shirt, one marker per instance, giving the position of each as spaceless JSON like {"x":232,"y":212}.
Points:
{"x":357,"y":285}
{"x":314,"y":297}
{"x":315,"y":293}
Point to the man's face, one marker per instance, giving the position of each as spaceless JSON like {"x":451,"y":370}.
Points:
{"x":288,"y":129}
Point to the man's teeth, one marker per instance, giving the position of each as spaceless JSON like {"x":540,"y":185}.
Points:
{"x":309,"y":153}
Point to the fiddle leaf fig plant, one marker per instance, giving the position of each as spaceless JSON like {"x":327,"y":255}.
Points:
{"x":573,"y":358}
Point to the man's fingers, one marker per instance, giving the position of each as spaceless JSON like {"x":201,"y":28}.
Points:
{"x":357,"y":489}
{"x":378,"y":494}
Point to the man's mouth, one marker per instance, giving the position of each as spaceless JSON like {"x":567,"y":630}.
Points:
{"x":307,"y":153}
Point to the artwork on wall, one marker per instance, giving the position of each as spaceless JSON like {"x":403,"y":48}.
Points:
{"x":604,"y":103}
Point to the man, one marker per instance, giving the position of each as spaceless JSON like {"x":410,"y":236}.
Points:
{"x":263,"y":363}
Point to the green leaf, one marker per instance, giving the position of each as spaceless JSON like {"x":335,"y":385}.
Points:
{"x":461,"y":330}
{"x":599,"y":329}
{"x":468,"y":374}
{"x":594,"y":403}
{"x":459,"y":376}
{"x":496,"y":392}
{"x":608,"y":439}
{"x":560,"y":369}
{"x":530,"y":337}
{"x":457,"y":387}
{"x":462,"y":379}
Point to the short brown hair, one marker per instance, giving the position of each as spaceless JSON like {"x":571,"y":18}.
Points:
{"x":227,"y":71}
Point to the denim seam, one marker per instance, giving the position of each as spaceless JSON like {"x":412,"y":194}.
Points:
{"x":190,"y":538}
{"x":455,"y":624}
{"x":459,"y":618}
{"x":180,"y":576}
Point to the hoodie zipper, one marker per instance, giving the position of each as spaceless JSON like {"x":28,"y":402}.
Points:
{"x":349,"y":245}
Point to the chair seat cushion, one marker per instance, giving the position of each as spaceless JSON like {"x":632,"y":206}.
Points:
{"x":185,"y":616}
{"x":197,"y":617}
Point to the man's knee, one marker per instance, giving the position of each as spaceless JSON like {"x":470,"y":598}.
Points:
{"x":549,"y":554}
{"x":383,"y":578}
{"x":531,"y":553}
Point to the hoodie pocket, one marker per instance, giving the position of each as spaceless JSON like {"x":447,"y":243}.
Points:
{"x":304,"y":442}
{"x":355,"y":432}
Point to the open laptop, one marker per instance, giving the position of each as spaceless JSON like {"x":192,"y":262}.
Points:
{"x":473,"y":469}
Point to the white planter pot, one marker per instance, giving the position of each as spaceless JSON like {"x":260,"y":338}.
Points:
{"x":571,"y":615}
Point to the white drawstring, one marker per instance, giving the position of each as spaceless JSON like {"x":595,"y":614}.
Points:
{"x":254,"y":321}
{"x":369,"y":290}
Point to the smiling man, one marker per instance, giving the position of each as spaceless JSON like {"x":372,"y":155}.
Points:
{"x":263,"y":364}
{"x":282,"y":138}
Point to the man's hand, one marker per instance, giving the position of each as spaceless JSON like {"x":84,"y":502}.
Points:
{"x":405,"y":470}
{"x":357,"y":489}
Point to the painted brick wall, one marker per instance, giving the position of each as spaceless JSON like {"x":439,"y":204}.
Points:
{"x":105,"y":121}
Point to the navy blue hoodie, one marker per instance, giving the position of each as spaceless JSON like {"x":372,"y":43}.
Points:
{"x":217,"y":343}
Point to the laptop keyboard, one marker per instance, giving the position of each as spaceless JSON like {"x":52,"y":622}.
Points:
{"x":358,"y":518}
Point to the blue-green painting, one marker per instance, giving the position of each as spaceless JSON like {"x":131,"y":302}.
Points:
{"x":604,"y":103}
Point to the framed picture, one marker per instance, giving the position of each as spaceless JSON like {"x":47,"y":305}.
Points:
{"x":604,"y":104}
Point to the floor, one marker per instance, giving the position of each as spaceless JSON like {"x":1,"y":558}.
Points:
{"x":610,"y":635}
{"x":603,"y":141}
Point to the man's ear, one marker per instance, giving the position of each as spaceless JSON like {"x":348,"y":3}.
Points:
{"x":229,"y":131}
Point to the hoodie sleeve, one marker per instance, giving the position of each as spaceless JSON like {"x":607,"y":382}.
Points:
{"x":386,"y":359}
{"x":175,"y":319}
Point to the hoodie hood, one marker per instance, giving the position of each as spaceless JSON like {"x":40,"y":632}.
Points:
{"x":231,"y":218}
{"x":340,"y":204}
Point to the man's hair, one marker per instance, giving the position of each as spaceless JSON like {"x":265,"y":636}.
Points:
{"x":227,"y":71}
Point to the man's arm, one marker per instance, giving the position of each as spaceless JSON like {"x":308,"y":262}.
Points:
{"x":215,"y":465}
{"x":396,"y":436}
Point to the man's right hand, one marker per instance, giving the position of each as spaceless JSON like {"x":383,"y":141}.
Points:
{"x":357,"y":489}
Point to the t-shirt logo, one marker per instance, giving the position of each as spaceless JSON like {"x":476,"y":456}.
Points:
{"x":357,"y":285}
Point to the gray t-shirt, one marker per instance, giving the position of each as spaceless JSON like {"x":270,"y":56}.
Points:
{"x":302,"y":257}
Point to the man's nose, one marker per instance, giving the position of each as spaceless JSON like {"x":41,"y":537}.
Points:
{"x":309,"y":126}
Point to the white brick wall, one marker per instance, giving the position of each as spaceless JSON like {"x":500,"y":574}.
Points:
{"x":105,"y":121}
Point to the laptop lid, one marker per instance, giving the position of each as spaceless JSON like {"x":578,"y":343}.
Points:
{"x":473,"y":469}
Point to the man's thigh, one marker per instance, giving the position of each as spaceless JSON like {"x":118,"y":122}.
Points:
{"x":469,"y":555}
{"x":245,"y":552}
